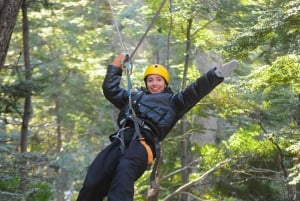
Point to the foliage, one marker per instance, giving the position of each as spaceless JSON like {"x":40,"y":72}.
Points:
{"x":73,"y":41}
{"x":274,"y":32}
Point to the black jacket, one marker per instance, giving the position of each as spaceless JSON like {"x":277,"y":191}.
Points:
{"x":159,"y":111}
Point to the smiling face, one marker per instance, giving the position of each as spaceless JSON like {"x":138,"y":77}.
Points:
{"x":155,"y":84}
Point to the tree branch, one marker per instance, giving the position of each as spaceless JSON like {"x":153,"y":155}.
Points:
{"x":196,"y":181}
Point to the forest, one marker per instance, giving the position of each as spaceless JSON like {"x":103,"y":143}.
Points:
{"x":239,"y":143}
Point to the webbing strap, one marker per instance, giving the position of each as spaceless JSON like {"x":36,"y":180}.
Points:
{"x":128,"y":67}
{"x":120,"y":137}
{"x":148,"y":150}
{"x":137,"y":123}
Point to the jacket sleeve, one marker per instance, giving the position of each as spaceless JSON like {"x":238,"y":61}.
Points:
{"x":193,"y":93}
{"x":112,"y":89}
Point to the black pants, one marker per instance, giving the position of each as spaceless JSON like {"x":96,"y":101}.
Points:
{"x":113,"y":173}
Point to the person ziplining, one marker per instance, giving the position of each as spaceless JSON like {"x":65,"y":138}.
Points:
{"x":155,"y":110}
{"x":145,"y":118}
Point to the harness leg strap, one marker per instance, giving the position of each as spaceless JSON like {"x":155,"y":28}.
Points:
{"x":142,"y":140}
{"x":137,"y":133}
{"x":148,"y":149}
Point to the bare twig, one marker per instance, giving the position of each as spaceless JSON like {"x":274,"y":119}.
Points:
{"x":196,"y":181}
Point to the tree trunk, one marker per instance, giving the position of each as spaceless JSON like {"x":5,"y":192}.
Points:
{"x":185,"y":155}
{"x":298,"y":191}
{"x":61,"y":183}
{"x":62,"y":174}
{"x":187,"y":52}
{"x":8,"y":14}
{"x":185,"y":143}
{"x":27,"y":104}
{"x":58,"y":114}
{"x":297,"y":118}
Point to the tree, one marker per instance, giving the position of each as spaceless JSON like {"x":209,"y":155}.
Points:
{"x":273,"y":31}
{"x":71,"y":42}
{"x":263,"y":105}
{"x":27,"y":104}
{"x":8,"y":14}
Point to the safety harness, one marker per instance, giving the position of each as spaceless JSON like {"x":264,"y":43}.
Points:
{"x":138,"y":124}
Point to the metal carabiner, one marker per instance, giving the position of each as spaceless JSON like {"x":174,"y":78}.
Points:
{"x":127,"y":64}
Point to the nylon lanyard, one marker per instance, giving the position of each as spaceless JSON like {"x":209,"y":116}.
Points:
{"x":128,"y":66}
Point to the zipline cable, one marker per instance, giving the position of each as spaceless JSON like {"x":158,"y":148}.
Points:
{"x":144,"y":35}
{"x":149,"y":27}
{"x":116,"y":26}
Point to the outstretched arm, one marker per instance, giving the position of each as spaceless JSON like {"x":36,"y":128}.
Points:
{"x":111,"y":85}
{"x":192,"y":94}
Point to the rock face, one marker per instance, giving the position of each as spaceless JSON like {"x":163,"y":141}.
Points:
{"x":208,"y":132}
{"x":207,"y":60}
{"x":209,"y":126}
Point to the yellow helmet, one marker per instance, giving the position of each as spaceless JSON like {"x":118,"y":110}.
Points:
{"x":156,"y":69}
